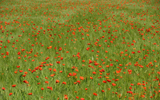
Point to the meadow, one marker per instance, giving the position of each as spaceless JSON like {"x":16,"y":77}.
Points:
{"x":79,"y":49}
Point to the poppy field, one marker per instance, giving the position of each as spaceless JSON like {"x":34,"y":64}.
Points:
{"x":79,"y":49}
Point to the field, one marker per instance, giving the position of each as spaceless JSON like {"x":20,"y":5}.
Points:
{"x":79,"y":49}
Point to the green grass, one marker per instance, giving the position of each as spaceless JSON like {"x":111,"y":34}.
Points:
{"x":120,"y":37}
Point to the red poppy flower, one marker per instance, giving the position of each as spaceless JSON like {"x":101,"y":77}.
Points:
{"x":94,"y":72}
{"x":102,"y":90}
{"x":90,"y":61}
{"x":113,"y":84}
{"x":79,"y":81}
{"x":130,"y":92}
{"x":104,"y":81}
{"x":108,"y":80}
{"x":70,"y":74}
{"x":57,"y":81}
{"x":91,"y":77}
{"x":82,"y":78}
{"x":58,"y":62}
{"x":111,"y":64}
{"x":95,"y":94}
{"x":74,"y":74}
{"x":130,"y":71}
{"x":133,"y":52}
{"x":96,"y":64}
{"x":10,"y":94}
{"x":3,"y":88}
{"x":14,"y":85}
{"x":7,"y":53}
{"x":139,"y":51}
{"x":138,"y":83}
{"x":64,"y":83}
{"x":42,"y":88}
{"x":29,"y":93}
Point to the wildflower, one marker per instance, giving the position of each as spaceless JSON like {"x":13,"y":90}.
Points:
{"x":3,"y":88}
{"x":64,"y":83}
{"x":10,"y":94}
{"x":130,"y":92}
{"x":54,"y":70}
{"x":113,"y":84}
{"x":102,"y":90}
{"x":130,"y":71}
{"x":29,"y":93}
{"x":57,"y":81}
{"x":138,"y":83}
{"x":79,"y":81}
{"x":42,"y":88}
{"x":82,"y":78}
{"x":65,"y":97}
{"x":77,"y":97}
{"x":139,"y":51}
{"x":95,"y":94}
{"x":108,"y":80}
{"x":46,"y":82}
{"x":91,"y":77}
{"x":13,"y":85}
{"x":104,"y":81}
